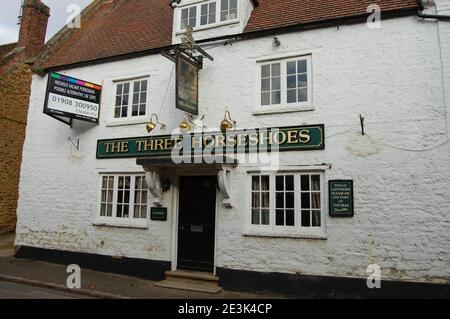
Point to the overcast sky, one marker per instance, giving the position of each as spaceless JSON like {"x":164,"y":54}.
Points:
{"x":9,"y":30}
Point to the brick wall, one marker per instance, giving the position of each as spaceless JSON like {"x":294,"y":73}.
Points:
{"x":15,"y":93}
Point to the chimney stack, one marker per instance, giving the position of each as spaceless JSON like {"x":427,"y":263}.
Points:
{"x":33,"y":26}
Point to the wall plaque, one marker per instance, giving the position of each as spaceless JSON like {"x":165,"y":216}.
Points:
{"x":158,"y":213}
{"x":341,"y":198}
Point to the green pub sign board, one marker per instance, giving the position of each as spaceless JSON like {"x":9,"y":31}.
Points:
{"x":293,"y":138}
{"x":341,"y":198}
{"x":158,"y":213}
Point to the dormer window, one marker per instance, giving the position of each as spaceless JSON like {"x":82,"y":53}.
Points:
{"x":208,"y":13}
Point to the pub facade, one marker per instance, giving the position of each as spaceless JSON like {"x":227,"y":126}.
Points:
{"x":291,"y":142}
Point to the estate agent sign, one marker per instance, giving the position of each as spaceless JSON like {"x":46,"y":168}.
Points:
{"x":310,"y":137}
{"x":341,"y":198}
{"x":72,"y":98}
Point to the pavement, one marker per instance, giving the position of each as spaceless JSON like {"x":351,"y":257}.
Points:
{"x":7,"y":244}
{"x":100,"y":284}
{"x":11,"y":290}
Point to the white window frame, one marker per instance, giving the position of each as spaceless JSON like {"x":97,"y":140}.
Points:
{"x":129,"y":118}
{"x":272,"y":230}
{"x":130,"y":221}
{"x":284,"y":106}
{"x":198,"y":25}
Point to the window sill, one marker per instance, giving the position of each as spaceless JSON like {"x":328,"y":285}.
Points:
{"x":121,"y":224}
{"x":127,"y":122}
{"x":212,"y":26}
{"x":263,"y":110}
{"x":319,"y":234}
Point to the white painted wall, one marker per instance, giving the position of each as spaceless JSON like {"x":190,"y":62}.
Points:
{"x":392,"y":76}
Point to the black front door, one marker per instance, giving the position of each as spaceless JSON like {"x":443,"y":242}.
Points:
{"x":196,"y":223}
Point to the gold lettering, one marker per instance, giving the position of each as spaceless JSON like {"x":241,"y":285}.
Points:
{"x":124,"y":147}
{"x":305,"y":136}
{"x":220,"y":141}
{"x":292,"y":137}
{"x":197,"y":141}
{"x":159,"y":144}
{"x":231,"y":140}
{"x":107,"y":146}
{"x":115,"y":147}
{"x":253,"y":139}
{"x":266,"y":137}
{"x":242,"y":139}
{"x":277,"y":137}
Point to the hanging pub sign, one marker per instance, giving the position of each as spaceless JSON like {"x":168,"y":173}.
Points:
{"x":186,"y":84}
{"x":341,"y":198}
{"x":292,"y":138}
{"x":71,"y":98}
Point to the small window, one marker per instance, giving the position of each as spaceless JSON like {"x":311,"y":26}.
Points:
{"x":131,"y":99}
{"x":189,"y":17}
{"x":228,"y":10}
{"x":286,"y":82}
{"x":123,"y":197}
{"x":287,"y":202}
{"x":208,"y":13}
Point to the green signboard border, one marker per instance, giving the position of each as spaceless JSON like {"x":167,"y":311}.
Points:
{"x":333,"y":214}
{"x":319,"y":146}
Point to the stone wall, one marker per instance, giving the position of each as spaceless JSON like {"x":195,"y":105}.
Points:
{"x":14,"y":99}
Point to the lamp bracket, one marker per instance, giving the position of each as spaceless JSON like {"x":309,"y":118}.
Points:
{"x":224,"y":181}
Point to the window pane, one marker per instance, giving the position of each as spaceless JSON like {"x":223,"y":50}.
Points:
{"x":279,"y":183}
{"x":305,"y":182}
{"x":265,"y":98}
{"x":290,"y":200}
{"x":316,"y":218}
{"x":290,"y":182}
{"x":280,"y":200}
{"x":184,"y":14}
{"x":144,"y":85}
{"x":315,"y":200}
{"x":292,"y":96}
{"x":203,"y":20}
{"x":104,"y":182}
{"x":276,"y":97}
{"x":303,"y":95}
{"x":306,"y":219}
{"x":291,"y":82}
{"x":289,"y":218}
{"x":143,"y":97}
{"x":265,"y":71}
{"x":111,"y":182}
{"x":265,"y":85}
{"x":302,"y":80}
{"x":109,"y":210}
{"x":212,"y":13}
{"x":256,"y":200}
{"x":233,"y":14}
{"x":144,"y":197}
{"x":276,"y":69}
{"x":136,"y":212}
{"x":305,"y":200}
{"x":255,"y":216}
{"x":255,"y":182}
{"x":279,"y":217}
{"x":276,"y":83}
{"x":126,"y":88}
{"x":137,"y":86}
{"x":233,"y":4}
{"x":265,"y":200}
{"x":224,"y":5}
{"x":103,"y":197}
{"x":315,"y":180}
{"x":291,"y":69}
{"x":265,"y":216}
{"x":265,"y":182}
{"x":102,"y":209}
{"x":144,"y":211}
{"x":204,"y":9}
{"x":135,"y":98}
{"x":302,"y":67}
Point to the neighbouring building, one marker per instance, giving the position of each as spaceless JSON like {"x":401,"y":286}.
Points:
{"x":15,"y":82}
{"x":124,"y":169}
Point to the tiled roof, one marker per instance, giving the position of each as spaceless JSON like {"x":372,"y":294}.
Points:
{"x":280,"y":13}
{"x":118,"y":27}
{"x":6,"y":48}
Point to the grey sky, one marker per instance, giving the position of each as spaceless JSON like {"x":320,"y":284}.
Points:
{"x":9,"y":30}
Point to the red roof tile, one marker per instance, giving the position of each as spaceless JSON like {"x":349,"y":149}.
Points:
{"x":280,"y":13}
{"x":118,"y":27}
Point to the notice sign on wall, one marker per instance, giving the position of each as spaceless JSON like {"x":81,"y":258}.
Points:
{"x":72,"y":98}
{"x":341,"y":198}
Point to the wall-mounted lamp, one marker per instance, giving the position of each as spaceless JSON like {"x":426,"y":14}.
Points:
{"x":276,"y":42}
{"x":227,"y":123}
{"x":186,"y":125}
{"x":175,"y":3}
{"x":151,"y":125}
